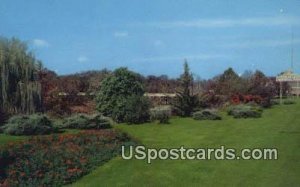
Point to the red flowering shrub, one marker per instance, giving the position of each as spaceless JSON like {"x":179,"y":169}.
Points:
{"x":58,"y":159}
{"x":238,"y":99}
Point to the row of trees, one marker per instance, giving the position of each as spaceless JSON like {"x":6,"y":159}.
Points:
{"x":121,"y":93}
{"x":62,"y":94}
{"x":27,"y":87}
{"x":61,"y":97}
{"x":256,"y":84}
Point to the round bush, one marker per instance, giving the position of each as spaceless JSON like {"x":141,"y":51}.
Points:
{"x":83,"y":121}
{"x":206,"y":115}
{"x":245,"y":111}
{"x":35,"y":124}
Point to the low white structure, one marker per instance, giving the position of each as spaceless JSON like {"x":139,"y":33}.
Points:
{"x":160,"y":98}
{"x":292,"y":79}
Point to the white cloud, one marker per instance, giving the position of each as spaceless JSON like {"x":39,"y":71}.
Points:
{"x":224,"y":23}
{"x":121,"y":34}
{"x":40,"y":43}
{"x":181,"y":58}
{"x":82,"y":59}
{"x":261,"y":43}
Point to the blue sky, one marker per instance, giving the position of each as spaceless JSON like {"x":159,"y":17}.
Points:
{"x":155,"y":36}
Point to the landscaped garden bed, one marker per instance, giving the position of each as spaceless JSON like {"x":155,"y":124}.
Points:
{"x":56,"y":160}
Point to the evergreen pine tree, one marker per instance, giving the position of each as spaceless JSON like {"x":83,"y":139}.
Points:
{"x":185,"y":101}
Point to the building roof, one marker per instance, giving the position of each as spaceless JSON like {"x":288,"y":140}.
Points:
{"x":288,"y":76}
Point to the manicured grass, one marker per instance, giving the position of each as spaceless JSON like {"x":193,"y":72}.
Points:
{"x":278,"y":128}
{"x":5,"y":139}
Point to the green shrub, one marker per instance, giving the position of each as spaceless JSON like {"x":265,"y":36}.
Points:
{"x":35,"y":124}
{"x":288,"y":102}
{"x":160,"y":114}
{"x":275,"y":102}
{"x":266,"y":103}
{"x":245,"y":111}
{"x":136,"y":110}
{"x":83,"y":121}
{"x":121,"y":97}
{"x":207,"y":114}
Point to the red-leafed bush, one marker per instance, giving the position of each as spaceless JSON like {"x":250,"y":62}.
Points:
{"x":58,"y":159}
{"x":238,"y":99}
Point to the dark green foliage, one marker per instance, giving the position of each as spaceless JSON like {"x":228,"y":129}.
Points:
{"x":266,"y":103}
{"x":206,"y":114}
{"x":245,"y":111}
{"x":185,"y":102}
{"x":288,"y":102}
{"x":84,"y":121}
{"x":136,"y":110}
{"x":118,"y":93}
{"x":3,"y":117}
{"x":20,"y":91}
{"x":35,"y":124}
{"x":275,"y":102}
{"x":160,"y":114}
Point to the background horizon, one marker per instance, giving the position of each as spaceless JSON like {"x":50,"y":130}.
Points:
{"x":154,"y":38}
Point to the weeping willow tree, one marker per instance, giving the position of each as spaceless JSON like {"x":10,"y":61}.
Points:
{"x":20,"y":91}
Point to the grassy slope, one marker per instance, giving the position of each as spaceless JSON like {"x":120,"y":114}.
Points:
{"x":279,"y":128}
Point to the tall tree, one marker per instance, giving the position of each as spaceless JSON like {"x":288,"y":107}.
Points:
{"x":185,"y":101}
{"x":20,"y":90}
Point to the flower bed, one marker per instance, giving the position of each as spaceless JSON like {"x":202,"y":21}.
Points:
{"x":58,"y":159}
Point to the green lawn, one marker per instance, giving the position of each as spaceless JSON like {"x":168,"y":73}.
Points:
{"x":4,"y":139}
{"x":278,"y":128}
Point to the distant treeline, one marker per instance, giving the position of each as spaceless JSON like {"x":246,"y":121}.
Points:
{"x":27,"y":87}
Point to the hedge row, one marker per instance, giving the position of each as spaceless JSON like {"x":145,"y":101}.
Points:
{"x":39,"y":124}
{"x":35,"y":124}
{"x":83,"y":121}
